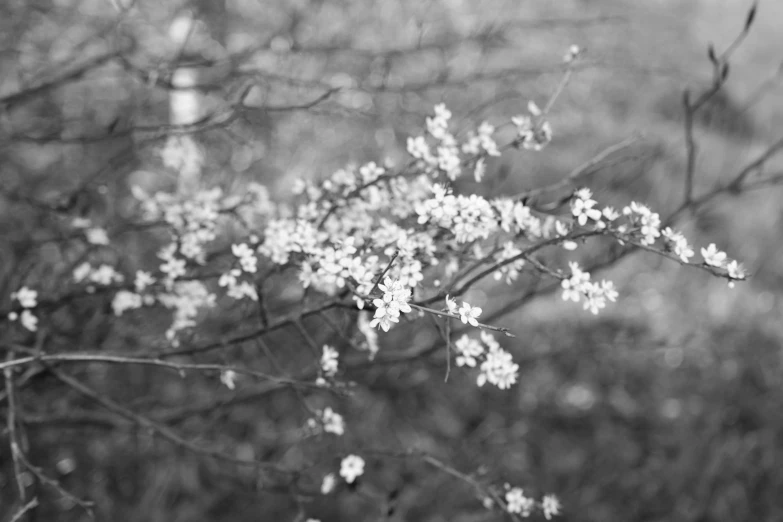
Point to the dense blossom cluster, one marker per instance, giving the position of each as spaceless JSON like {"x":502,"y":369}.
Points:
{"x":375,"y":221}
{"x":384,"y":241}
{"x":496,"y":365}
{"x":394,"y":301}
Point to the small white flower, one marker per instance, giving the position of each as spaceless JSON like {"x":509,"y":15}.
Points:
{"x":26,"y":297}
{"x":610,"y":214}
{"x":468,"y":314}
{"x":678,"y":244}
{"x":97,"y":236}
{"x":518,"y":503}
{"x":328,"y":484}
{"x":81,"y":222}
{"x":333,"y":422}
{"x":533,"y":108}
{"x":712,"y":256}
{"x":582,"y":207}
{"x":29,"y":321}
{"x":81,"y":272}
{"x":228,"y":378}
{"x":329,"y":361}
{"x":351,"y":467}
{"x":736,"y":270}
{"x":571,"y":54}
{"x":480,"y":170}
{"x":451,"y":305}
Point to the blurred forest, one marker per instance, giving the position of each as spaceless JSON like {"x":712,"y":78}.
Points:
{"x":666,"y":407}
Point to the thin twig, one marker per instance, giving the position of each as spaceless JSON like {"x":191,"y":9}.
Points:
{"x":24,"y":509}
{"x":12,"y":433}
{"x":164,"y":431}
{"x":388,"y":267}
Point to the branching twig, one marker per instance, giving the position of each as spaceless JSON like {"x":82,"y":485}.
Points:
{"x":163,"y":431}
{"x":24,"y":510}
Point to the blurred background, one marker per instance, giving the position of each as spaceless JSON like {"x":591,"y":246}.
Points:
{"x":666,"y":407}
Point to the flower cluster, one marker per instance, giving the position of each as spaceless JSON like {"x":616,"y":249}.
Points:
{"x":533,"y":131}
{"x":481,"y":142}
{"x":103,"y":275}
{"x":497,"y":367}
{"x":678,"y":244}
{"x":644,"y":225}
{"x":407,"y":226}
{"x":446,"y":158}
{"x":517,"y":503}
{"x":236,"y":289}
{"x":594,"y":295}
{"x":331,"y":421}
{"x":94,"y":235}
{"x":646,"y":221}
{"x":27,"y":299}
{"x":394,"y":301}
{"x":329,"y":361}
{"x":469,"y":218}
{"x":247,"y":259}
{"x":193,"y":219}
{"x":714,"y":257}
{"x":510,"y":271}
{"x":185,"y":298}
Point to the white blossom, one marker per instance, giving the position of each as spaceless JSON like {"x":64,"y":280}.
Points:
{"x":517,"y":503}
{"x":468,"y":350}
{"x":28,"y":320}
{"x":351,"y":468}
{"x":550,"y":506}
{"x":329,"y":361}
{"x":582,"y":207}
{"x":125,"y":300}
{"x":712,"y":256}
{"x":469,"y":314}
{"x":328,"y":483}
{"x":26,"y":297}
{"x":97,"y":236}
{"x":228,"y":378}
